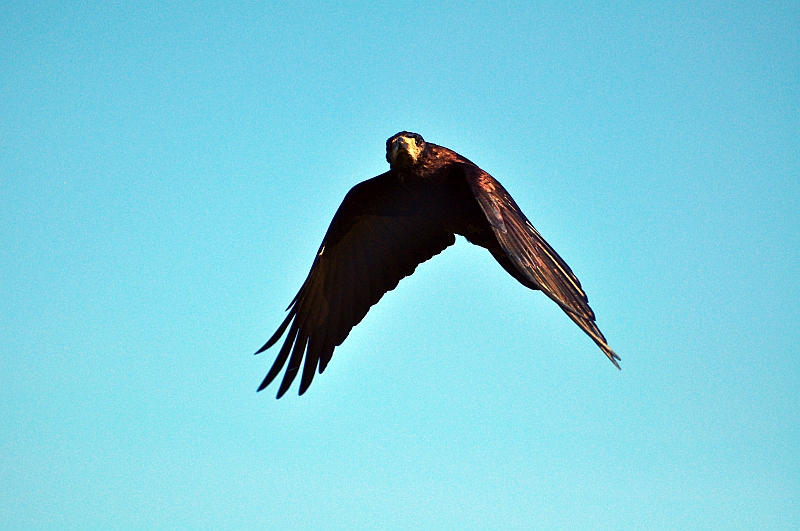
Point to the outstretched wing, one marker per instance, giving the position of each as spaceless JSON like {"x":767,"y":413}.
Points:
{"x":532,"y":256}
{"x":379,"y":235}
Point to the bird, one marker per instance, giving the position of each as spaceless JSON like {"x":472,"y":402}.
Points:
{"x":387,"y":225}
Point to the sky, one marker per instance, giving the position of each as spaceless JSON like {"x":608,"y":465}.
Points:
{"x":168,"y":170}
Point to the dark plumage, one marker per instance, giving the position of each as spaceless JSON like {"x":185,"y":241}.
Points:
{"x":388,"y":225}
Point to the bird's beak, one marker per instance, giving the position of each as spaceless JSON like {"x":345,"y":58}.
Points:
{"x":400,"y":144}
{"x":405,"y":151}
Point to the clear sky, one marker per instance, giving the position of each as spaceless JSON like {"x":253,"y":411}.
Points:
{"x":168,"y":171}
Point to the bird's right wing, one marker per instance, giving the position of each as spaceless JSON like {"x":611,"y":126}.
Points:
{"x":379,"y":235}
{"x":532,"y":255}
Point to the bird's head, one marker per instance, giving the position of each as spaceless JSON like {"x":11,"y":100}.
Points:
{"x":404,"y":149}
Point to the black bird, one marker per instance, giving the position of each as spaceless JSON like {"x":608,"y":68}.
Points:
{"x":388,"y":225}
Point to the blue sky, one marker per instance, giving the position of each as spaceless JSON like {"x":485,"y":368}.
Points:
{"x":168,"y":171}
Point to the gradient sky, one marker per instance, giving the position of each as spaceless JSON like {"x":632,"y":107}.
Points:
{"x":168,"y":171}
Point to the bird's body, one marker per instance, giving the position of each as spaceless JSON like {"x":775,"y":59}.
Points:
{"x":388,"y":225}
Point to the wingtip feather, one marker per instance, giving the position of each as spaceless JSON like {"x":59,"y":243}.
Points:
{"x":277,"y":335}
{"x":611,"y":355}
{"x":280,"y":360}
{"x":294,"y":365}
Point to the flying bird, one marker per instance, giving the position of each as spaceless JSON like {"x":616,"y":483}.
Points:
{"x":388,"y":225}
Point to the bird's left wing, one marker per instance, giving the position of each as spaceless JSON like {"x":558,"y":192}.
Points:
{"x":532,"y":255}
{"x":379,"y":235}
